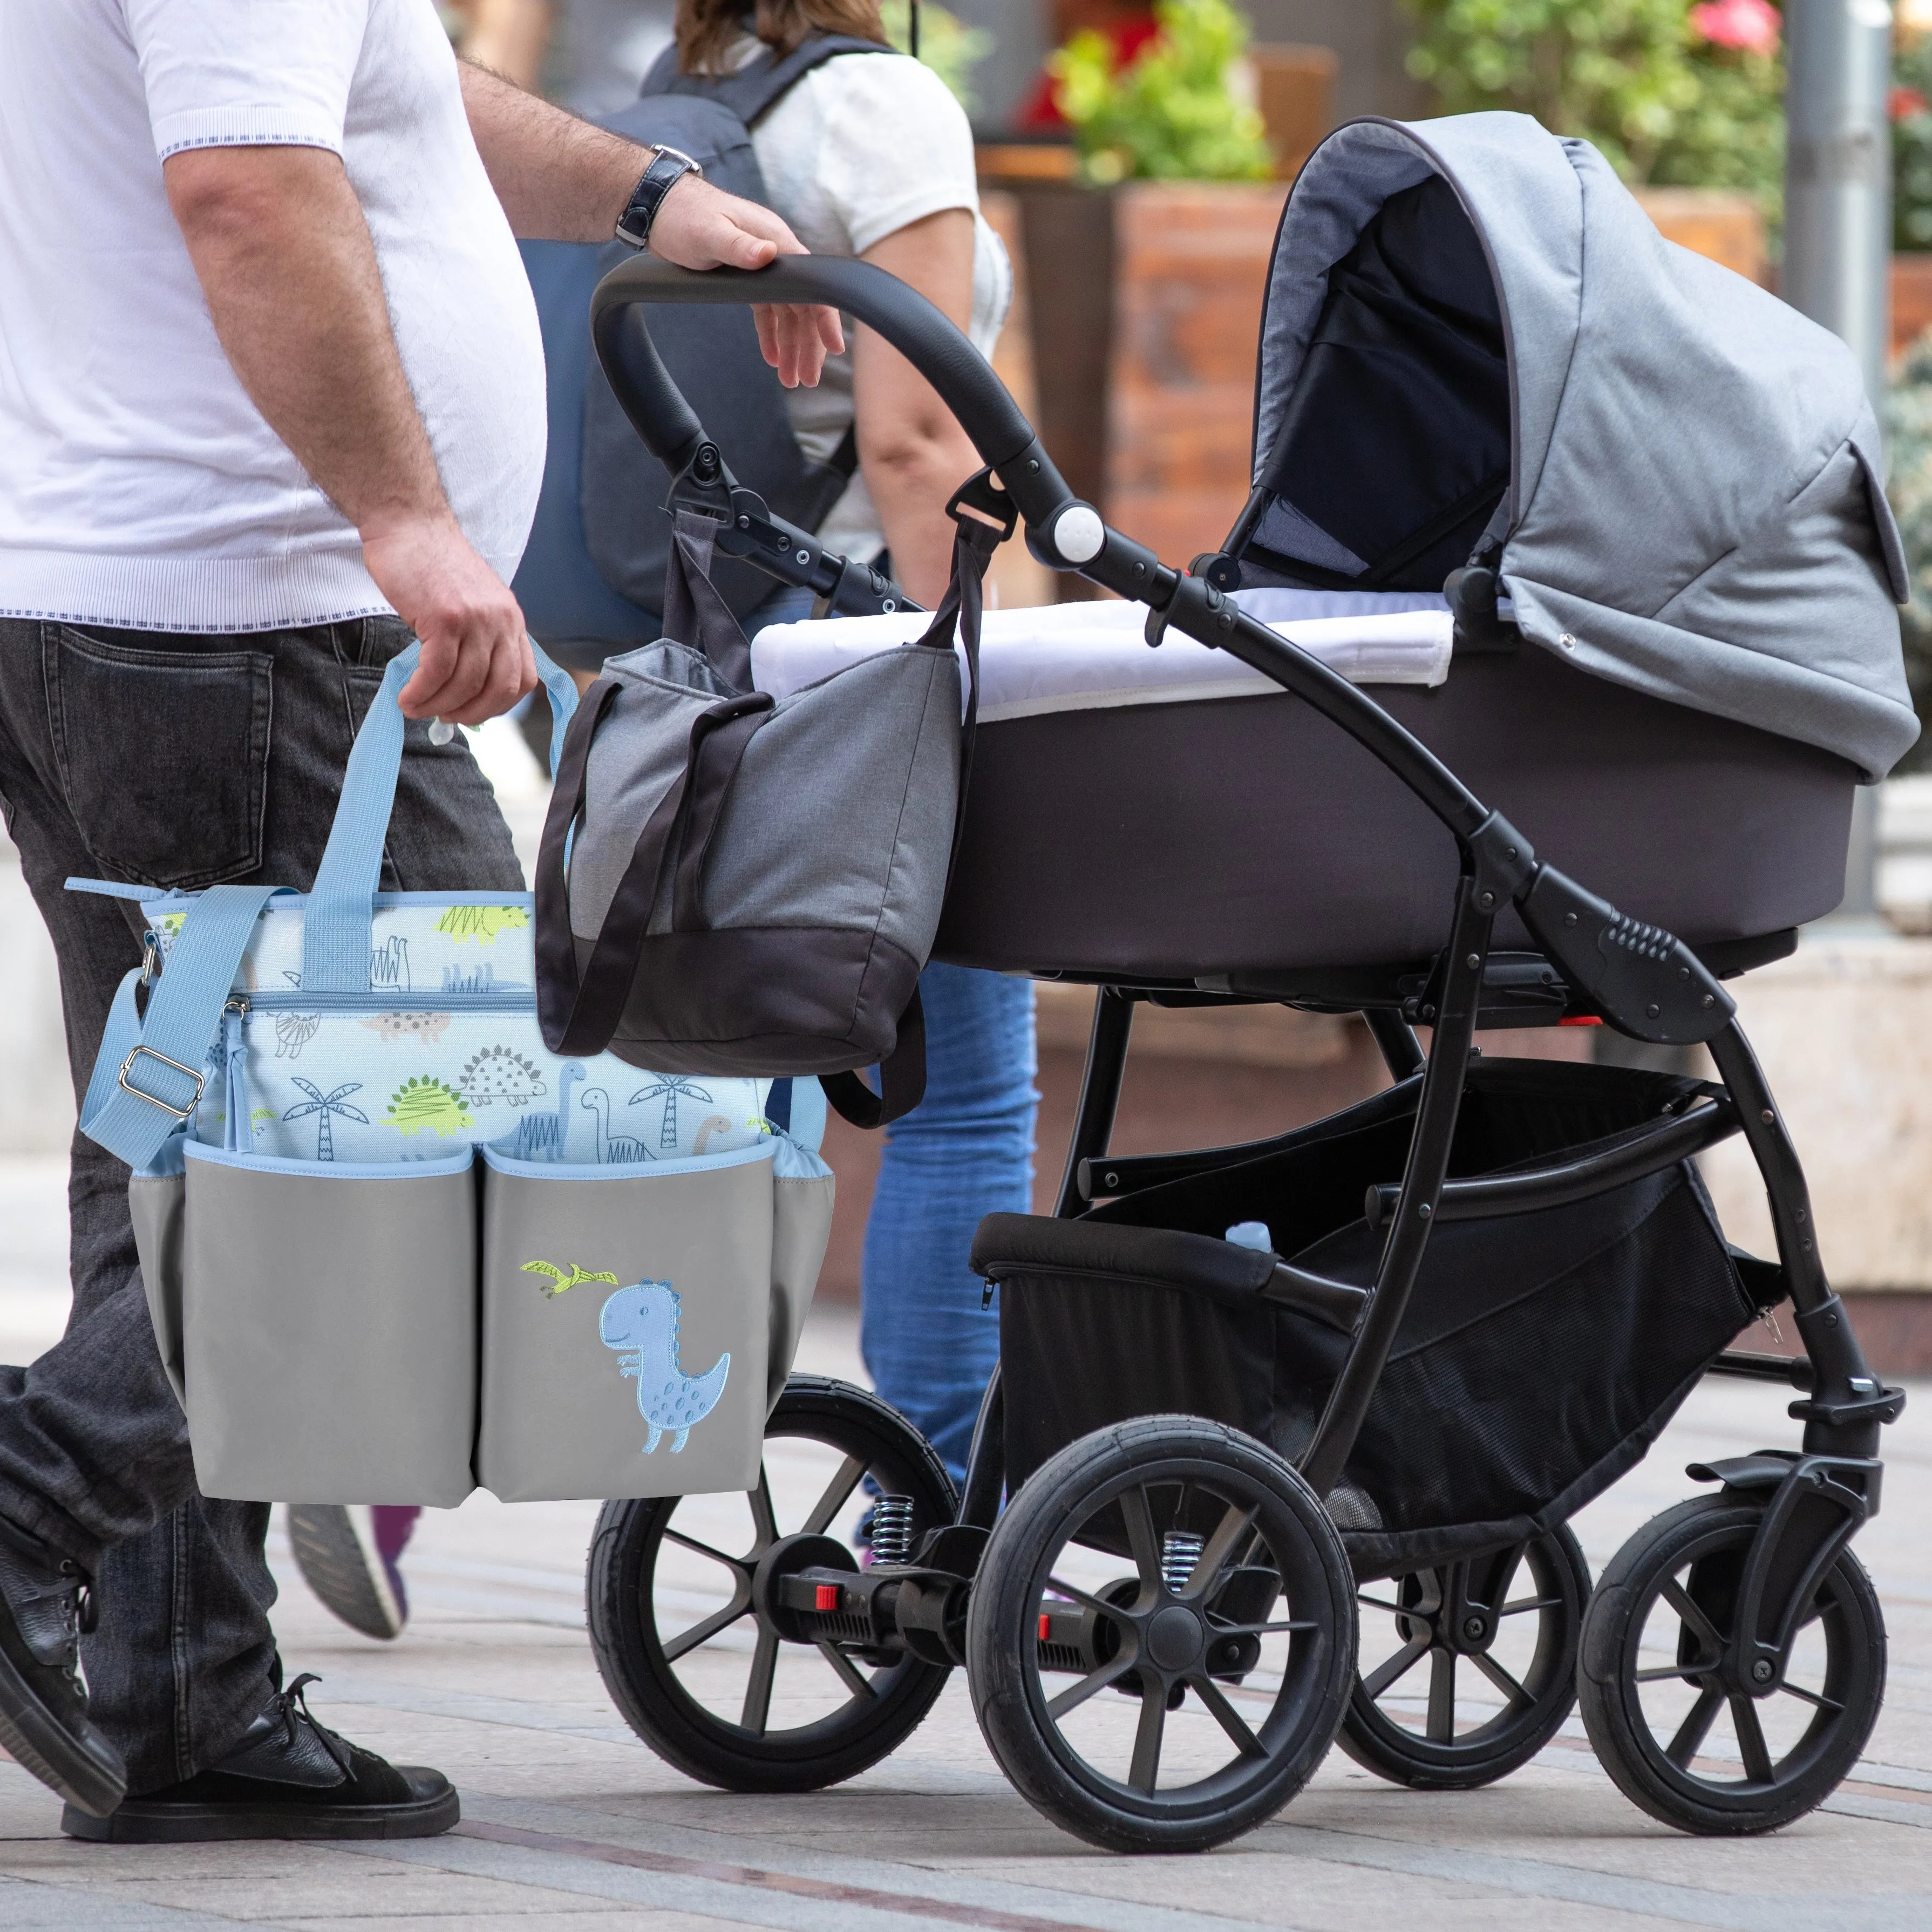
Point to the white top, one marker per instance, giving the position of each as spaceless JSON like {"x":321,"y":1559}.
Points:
{"x":1092,"y":656}
{"x":139,"y":485}
{"x":859,"y":148}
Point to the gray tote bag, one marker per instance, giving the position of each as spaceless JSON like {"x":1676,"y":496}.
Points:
{"x":729,"y":883}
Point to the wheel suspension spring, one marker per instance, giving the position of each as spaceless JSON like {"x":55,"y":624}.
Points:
{"x":1180,"y":1551}
{"x":891,"y":1529}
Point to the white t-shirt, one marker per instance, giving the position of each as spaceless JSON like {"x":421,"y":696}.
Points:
{"x":861,"y":147}
{"x":139,"y":485}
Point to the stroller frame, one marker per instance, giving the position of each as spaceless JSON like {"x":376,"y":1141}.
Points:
{"x":1636,"y":978}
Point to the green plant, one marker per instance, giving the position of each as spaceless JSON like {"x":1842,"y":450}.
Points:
{"x":1168,"y":114}
{"x":947,"y":44}
{"x":1912,"y":141}
{"x":1908,"y":485}
{"x":1687,"y":96}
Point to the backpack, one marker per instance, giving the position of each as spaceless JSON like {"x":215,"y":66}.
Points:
{"x":593,"y":571}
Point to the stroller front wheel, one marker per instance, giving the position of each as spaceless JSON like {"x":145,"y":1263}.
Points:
{"x":1161,"y":1636}
{"x":1678,"y":1741}
{"x":1499,"y":1635}
{"x":687,"y":1642}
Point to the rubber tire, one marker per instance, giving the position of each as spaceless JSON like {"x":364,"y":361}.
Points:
{"x":1391,"y":1751}
{"x":1000,"y":1622}
{"x":1625,"y":1744}
{"x":646,"y":1689}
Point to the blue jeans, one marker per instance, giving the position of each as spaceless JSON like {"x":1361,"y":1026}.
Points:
{"x":964,"y":1151}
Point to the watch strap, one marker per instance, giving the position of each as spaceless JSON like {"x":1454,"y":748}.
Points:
{"x":668,"y":167}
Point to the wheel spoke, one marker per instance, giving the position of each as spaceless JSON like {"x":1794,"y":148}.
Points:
{"x":758,"y":1686}
{"x":1810,"y":1697}
{"x":687,"y":1641}
{"x":763,"y":1518}
{"x":1687,"y":1673}
{"x":1146,"y":1766}
{"x":1502,"y":1679}
{"x":854,"y":1679}
{"x":1393,"y":1669}
{"x":1680,"y":1600}
{"x":1228,"y":1532}
{"x":1750,"y":1741}
{"x":1377,"y":1603}
{"x":733,"y":1563}
{"x":1442,"y":1697}
{"x":1521,"y":1603}
{"x":1216,"y":1629}
{"x":1093,"y":1602}
{"x":1075,"y":1695}
{"x":1230,"y":1720}
{"x":1695,"y":1728}
{"x":1140,"y":1538}
{"x":836,"y":1491}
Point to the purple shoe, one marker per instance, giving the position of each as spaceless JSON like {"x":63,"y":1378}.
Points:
{"x":349,"y":1555}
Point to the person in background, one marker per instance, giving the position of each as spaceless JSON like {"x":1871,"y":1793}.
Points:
{"x":870,"y":155}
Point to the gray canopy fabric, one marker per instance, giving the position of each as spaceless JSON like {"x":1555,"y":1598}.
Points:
{"x":1694,"y":506}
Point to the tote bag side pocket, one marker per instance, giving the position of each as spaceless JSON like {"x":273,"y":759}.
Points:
{"x":625,"y":1323}
{"x":158,"y":1205}
{"x":803,"y":1192}
{"x":329,"y":1314}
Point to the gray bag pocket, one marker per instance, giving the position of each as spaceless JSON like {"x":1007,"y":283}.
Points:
{"x":326,"y":1326}
{"x":801,"y":1204}
{"x":158,"y":1205}
{"x":627,"y":1326}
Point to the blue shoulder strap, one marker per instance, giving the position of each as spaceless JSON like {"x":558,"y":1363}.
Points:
{"x":336,"y":921}
{"x":147,"y":1076}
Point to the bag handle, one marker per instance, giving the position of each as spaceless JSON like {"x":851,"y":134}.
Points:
{"x":336,"y":943}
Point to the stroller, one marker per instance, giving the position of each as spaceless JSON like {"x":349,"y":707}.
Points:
{"x":1285,"y":1435}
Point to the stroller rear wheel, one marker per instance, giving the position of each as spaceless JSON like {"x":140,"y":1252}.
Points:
{"x":1499,"y":1634}
{"x":1197,"y":1694}
{"x":1678,"y":1742}
{"x":683,"y":1630}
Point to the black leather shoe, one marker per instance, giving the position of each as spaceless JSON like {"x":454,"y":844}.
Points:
{"x":43,"y":1719}
{"x":290,"y":1778}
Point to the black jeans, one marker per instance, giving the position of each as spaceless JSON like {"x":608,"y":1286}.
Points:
{"x":184,"y":761}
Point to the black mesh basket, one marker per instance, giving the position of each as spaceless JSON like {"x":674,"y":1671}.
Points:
{"x":1540,"y":1356}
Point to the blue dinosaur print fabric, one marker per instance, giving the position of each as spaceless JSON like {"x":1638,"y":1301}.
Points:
{"x":456,"y":1057}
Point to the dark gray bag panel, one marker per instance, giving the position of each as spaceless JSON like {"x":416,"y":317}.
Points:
{"x":712,"y":354}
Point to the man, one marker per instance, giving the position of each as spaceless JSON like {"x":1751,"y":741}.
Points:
{"x":271,"y":400}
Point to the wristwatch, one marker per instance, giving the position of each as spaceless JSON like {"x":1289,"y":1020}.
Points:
{"x":668,"y":167}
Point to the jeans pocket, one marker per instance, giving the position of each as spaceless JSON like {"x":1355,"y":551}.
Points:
{"x":162,"y":754}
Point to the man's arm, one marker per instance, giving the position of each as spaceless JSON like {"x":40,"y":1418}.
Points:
{"x":285,"y":259}
{"x":560,"y":179}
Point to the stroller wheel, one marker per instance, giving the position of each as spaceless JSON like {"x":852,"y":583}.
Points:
{"x":695,"y":1663}
{"x":1678,"y":1742}
{"x":1176,"y":1706}
{"x":1499,"y":1633}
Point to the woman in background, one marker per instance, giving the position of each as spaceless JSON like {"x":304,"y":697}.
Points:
{"x":869,"y":155}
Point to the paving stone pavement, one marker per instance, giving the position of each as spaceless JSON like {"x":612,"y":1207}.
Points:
{"x":570,"y":1822}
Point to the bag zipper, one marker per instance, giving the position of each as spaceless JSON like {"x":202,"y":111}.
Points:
{"x":295,"y":1001}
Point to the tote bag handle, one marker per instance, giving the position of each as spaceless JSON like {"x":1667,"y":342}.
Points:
{"x":336,"y":943}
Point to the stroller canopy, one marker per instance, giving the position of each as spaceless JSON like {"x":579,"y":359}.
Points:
{"x":1477,"y":346}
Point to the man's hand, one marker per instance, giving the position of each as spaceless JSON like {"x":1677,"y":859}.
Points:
{"x":560,"y":179}
{"x":476,"y":657}
{"x":700,"y":226}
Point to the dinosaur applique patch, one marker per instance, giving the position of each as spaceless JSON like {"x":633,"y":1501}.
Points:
{"x":641,"y":1322}
{"x":559,"y":1279}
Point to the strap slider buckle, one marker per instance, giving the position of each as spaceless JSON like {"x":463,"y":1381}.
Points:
{"x":128,"y":1086}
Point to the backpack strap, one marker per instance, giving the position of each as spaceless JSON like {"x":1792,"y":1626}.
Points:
{"x":758,"y":86}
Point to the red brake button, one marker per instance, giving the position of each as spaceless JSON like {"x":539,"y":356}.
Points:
{"x":826,"y":1596}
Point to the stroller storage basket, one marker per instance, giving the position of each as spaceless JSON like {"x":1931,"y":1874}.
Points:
{"x":1539,"y":1357}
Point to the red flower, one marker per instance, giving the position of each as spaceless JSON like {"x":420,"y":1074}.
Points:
{"x":1752,"y":25}
{"x":1907,"y":101}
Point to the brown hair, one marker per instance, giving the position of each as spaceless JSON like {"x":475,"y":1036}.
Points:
{"x":707,"y":29}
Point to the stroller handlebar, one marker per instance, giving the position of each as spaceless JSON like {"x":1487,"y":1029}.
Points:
{"x":964,"y":379}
